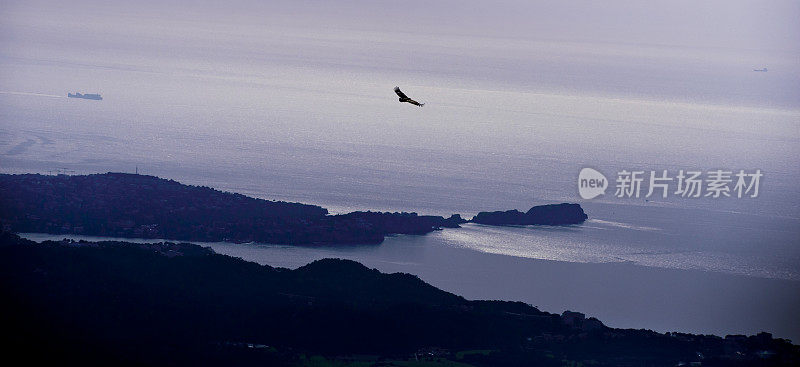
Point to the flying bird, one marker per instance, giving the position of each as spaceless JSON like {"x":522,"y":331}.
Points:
{"x":404,"y":97}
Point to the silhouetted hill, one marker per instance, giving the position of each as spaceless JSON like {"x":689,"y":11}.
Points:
{"x":128,"y":205}
{"x":552,"y":214}
{"x":369,"y":285}
{"x":116,"y":303}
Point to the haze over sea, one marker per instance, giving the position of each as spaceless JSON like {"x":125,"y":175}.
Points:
{"x":294,"y":102}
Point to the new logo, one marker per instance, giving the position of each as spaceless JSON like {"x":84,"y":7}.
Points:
{"x":591,"y":183}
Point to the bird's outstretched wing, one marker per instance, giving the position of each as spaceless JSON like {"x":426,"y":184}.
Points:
{"x":415,"y":102}
{"x":399,"y":93}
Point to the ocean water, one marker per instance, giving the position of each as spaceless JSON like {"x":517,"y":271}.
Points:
{"x":307,"y":114}
{"x":245,"y":150}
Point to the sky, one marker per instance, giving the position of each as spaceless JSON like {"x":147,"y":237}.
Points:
{"x":509,"y":44}
{"x":748,"y":24}
{"x":499,"y":77}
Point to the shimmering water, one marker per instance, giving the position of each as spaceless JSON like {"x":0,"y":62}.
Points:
{"x":305,"y":113}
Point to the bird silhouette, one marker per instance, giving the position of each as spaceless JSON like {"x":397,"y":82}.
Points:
{"x":404,"y":97}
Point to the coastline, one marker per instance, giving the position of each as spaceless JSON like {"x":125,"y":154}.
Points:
{"x":664,"y":299}
{"x":170,"y":301}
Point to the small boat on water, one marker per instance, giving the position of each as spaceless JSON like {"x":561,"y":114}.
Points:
{"x":762,"y":70}
{"x":85,"y":96}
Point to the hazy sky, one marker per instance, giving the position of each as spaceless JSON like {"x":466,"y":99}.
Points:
{"x":685,"y":50}
{"x":741,"y":24}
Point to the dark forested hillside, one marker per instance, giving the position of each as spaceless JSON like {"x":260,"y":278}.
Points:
{"x":128,"y":205}
{"x":116,"y":303}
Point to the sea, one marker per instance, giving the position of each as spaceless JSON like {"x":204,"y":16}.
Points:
{"x":305,"y":115}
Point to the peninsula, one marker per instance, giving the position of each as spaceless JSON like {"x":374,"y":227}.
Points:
{"x":140,"y":206}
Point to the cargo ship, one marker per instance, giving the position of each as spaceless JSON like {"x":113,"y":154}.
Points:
{"x":85,"y":96}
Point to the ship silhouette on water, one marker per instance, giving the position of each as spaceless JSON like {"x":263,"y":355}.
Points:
{"x":96,"y":97}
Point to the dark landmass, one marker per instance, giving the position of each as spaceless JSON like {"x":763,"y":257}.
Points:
{"x":128,"y":205}
{"x":406,"y":223}
{"x":552,"y":214}
{"x":117,"y":303}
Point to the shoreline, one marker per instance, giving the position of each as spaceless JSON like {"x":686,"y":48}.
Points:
{"x":664,"y":299}
{"x":171,"y":302}
{"x":38,"y":237}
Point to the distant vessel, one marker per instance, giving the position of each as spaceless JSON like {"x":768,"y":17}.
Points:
{"x":764,"y":69}
{"x":85,"y":96}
